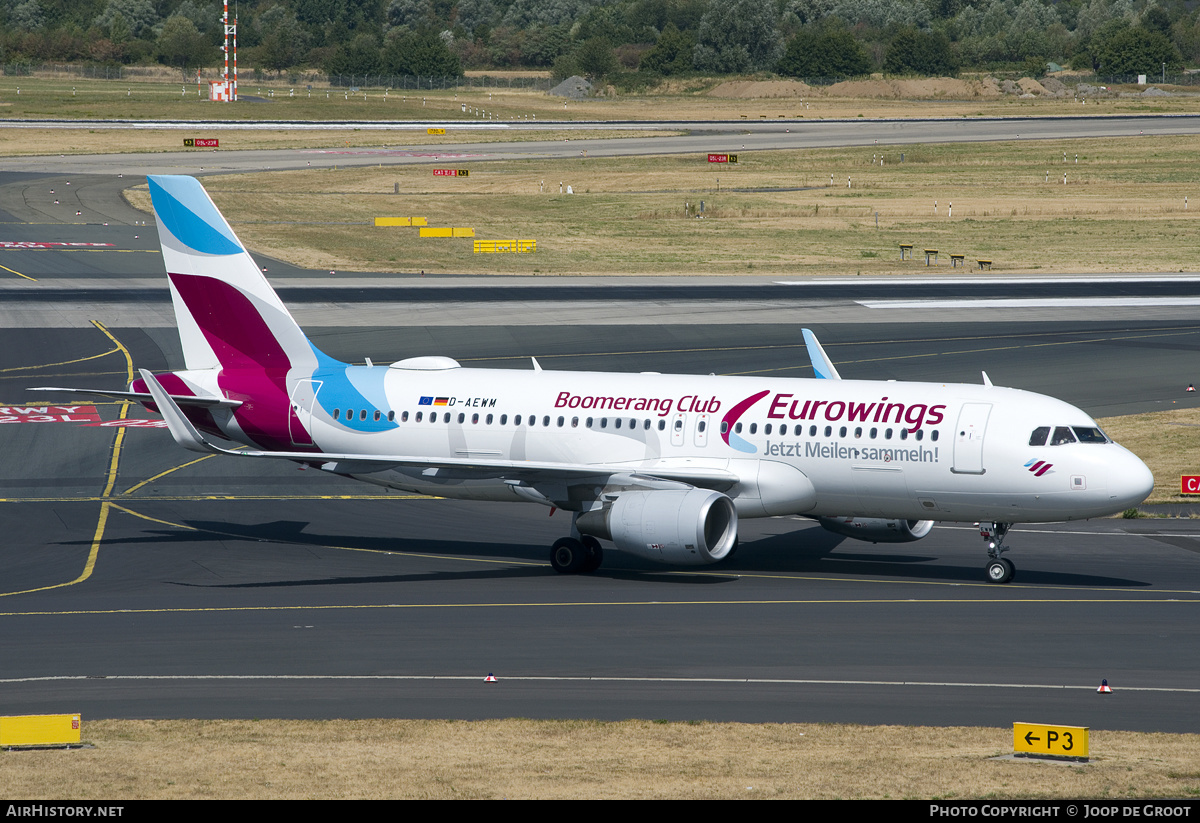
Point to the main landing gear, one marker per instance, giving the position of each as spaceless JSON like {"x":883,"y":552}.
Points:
{"x":581,"y":555}
{"x":999,"y":569}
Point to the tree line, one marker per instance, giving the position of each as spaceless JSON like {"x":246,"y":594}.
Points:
{"x":631,"y":43}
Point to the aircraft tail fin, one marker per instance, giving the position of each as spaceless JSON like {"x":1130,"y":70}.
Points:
{"x":227,"y":313}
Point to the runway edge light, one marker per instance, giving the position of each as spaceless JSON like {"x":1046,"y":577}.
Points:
{"x":491,"y":678}
{"x":1104,"y":689}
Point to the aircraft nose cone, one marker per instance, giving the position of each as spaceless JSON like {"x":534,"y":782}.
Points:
{"x":1131,"y":482}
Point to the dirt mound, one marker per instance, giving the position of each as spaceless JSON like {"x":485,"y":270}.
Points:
{"x":1055,"y":87}
{"x":754,"y":89}
{"x":917,"y":89}
{"x":862,"y":88}
{"x":574,"y":86}
{"x":1031,"y":86}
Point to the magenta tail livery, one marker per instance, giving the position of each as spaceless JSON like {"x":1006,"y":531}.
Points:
{"x":663,"y":466}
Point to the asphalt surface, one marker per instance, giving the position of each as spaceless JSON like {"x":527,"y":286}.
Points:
{"x":140,"y":582}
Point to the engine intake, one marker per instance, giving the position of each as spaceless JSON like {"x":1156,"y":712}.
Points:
{"x":687,"y":527}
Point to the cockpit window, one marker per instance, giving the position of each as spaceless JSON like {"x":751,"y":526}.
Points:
{"x":1087,"y":434}
{"x":1062,"y":435}
{"x":1038,"y":438}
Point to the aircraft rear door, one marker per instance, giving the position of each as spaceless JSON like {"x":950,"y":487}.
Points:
{"x":968,"y":438}
{"x":300,"y":412}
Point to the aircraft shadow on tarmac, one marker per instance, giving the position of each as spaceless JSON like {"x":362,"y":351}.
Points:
{"x":811,"y":552}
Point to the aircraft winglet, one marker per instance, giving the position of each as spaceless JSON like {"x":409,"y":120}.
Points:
{"x":181,"y":428}
{"x":821,"y":363}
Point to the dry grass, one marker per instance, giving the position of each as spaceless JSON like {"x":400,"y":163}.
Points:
{"x":21,"y":142}
{"x":583,"y":759}
{"x":1123,"y":209}
{"x":1168,"y":442}
{"x":688,"y":99}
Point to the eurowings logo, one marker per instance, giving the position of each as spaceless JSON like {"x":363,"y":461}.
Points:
{"x":735,"y":414}
{"x":1039,"y":467}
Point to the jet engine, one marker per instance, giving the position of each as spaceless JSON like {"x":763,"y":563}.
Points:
{"x":687,"y":527}
{"x":877,"y":529}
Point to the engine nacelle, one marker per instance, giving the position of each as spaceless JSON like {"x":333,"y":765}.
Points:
{"x":877,"y":529}
{"x":688,"y":527}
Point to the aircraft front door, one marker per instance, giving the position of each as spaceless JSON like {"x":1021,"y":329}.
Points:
{"x":968,"y":438}
{"x":300,"y":413}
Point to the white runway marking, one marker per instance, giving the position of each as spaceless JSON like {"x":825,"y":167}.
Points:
{"x":552,"y":679}
{"x":1033,"y":303}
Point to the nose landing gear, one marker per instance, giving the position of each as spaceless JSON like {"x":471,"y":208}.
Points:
{"x":999,"y":569}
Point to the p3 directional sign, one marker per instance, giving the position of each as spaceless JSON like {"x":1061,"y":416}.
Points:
{"x":1043,"y":740}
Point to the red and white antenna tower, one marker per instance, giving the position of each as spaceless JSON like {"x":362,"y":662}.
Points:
{"x":230,"y":29}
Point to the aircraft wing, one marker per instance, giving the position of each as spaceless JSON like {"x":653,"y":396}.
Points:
{"x":187,"y":436}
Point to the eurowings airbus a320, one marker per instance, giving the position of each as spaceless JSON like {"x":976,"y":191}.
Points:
{"x":663,"y":466}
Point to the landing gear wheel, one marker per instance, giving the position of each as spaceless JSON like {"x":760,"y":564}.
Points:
{"x":1000,"y":570}
{"x":568,"y":556}
{"x":595,"y":554}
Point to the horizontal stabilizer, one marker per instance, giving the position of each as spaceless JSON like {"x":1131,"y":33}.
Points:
{"x":205,"y":402}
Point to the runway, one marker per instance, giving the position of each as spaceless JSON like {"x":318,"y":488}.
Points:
{"x":139,"y":580}
{"x":678,"y":138}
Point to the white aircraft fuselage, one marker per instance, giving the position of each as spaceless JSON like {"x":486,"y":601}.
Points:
{"x":662,"y":465}
{"x":914,"y":451}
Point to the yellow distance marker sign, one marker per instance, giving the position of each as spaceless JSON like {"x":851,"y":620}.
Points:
{"x":435,"y":131}
{"x":1043,"y":740}
{"x":39,"y":730}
